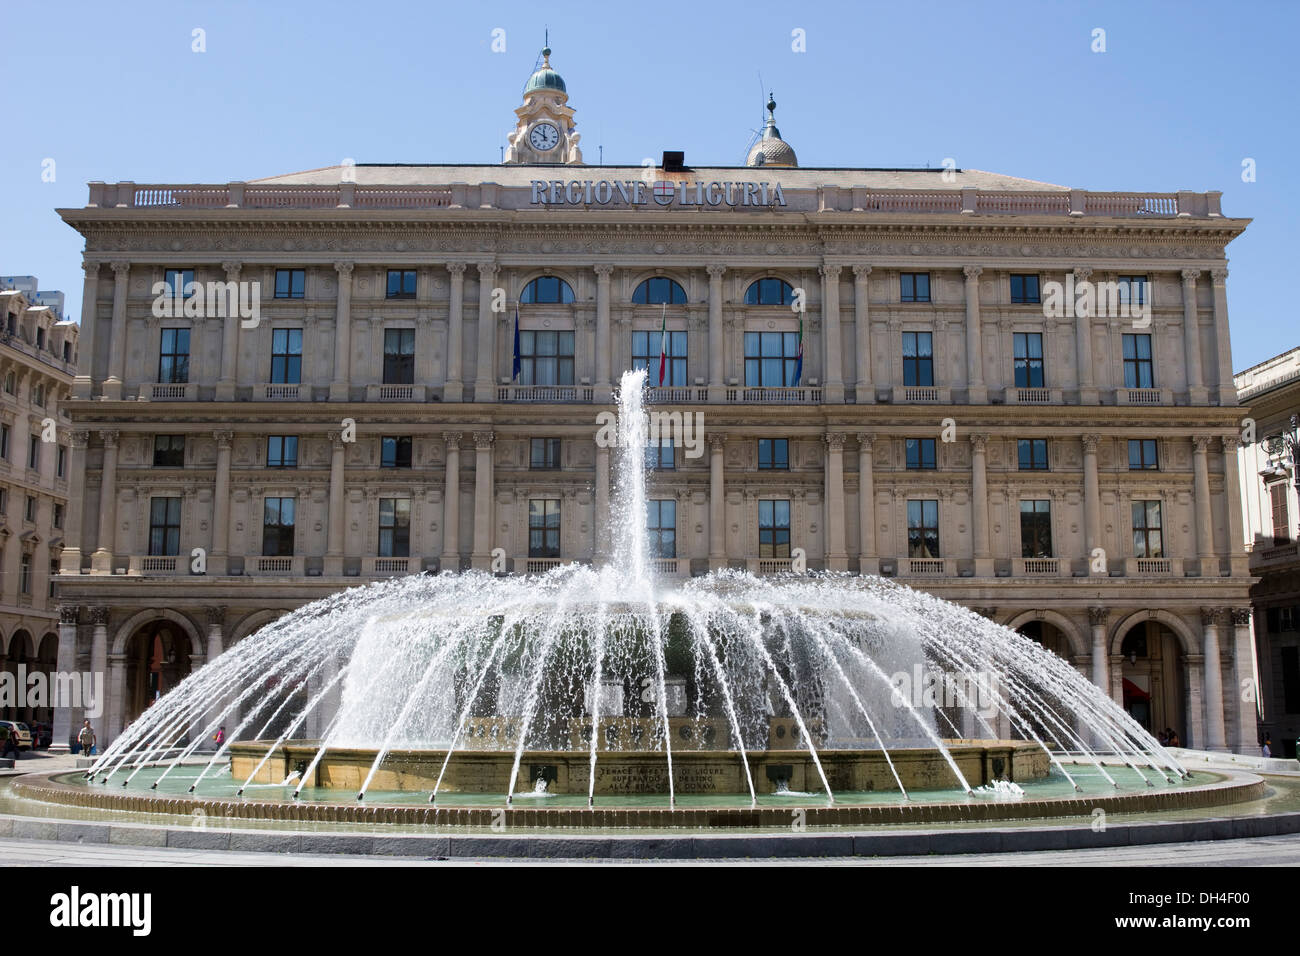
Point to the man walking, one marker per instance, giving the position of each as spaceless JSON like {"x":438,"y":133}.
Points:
{"x":86,"y":737}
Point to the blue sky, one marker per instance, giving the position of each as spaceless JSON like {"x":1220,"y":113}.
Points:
{"x":1184,"y":92}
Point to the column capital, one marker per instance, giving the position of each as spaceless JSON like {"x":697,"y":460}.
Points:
{"x":831,"y":272}
{"x":603,"y":271}
{"x":1090,"y":443}
{"x":487,"y":268}
{"x":69,"y":613}
{"x":99,"y":615}
{"x":1200,"y":444}
{"x":1240,"y":616}
{"x":979,"y":443}
{"x":216,"y":615}
{"x":1190,"y":276}
{"x":451,"y":440}
{"x":223,"y":437}
{"x":343,"y":268}
{"x":972,"y":272}
{"x":986,"y":612}
{"x":483,"y":440}
{"x":91,"y":265}
{"x":456,"y":268}
{"x":1230,"y":444}
{"x":109,"y":437}
{"x":121,"y":270}
{"x":861,"y":272}
{"x":1219,"y":276}
{"x":717,"y":443}
{"x":79,"y":438}
{"x":1211,"y":616}
{"x":835,"y":440}
{"x":715,"y":272}
{"x":1082,"y":274}
{"x":335,"y":436}
{"x":1097,"y":615}
{"x":866,"y":439}
{"x":233,"y":268}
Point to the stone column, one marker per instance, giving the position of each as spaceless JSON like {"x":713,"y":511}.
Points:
{"x":979,"y":507}
{"x":66,"y":716}
{"x":833,"y":382}
{"x":73,"y":531}
{"x":1227,"y":391}
{"x":454,"y":389}
{"x":862,"y":333}
{"x":336,"y":532}
{"x":603,"y":384}
{"x":716,"y":383}
{"x":101,"y":562}
{"x":1207,"y":565}
{"x":1091,"y":504}
{"x":229,"y":343}
{"x":837,"y":555}
{"x":1246,"y":690}
{"x":1214,"y":734}
{"x":1100,"y":654}
{"x":111,"y":727}
{"x":868,"y":559}
{"x":451,"y":505}
{"x":340,"y":385}
{"x":99,"y":665}
{"x":1088,"y":394}
{"x":481,"y":559}
{"x":83,"y":385}
{"x":215,"y":648}
{"x":1238,"y":559}
{"x":601,"y":522}
{"x":117,"y":334}
{"x":717,"y":505}
{"x":1197,"y":394}
{"x":219,"y":559}
{"x":978,"y":392}
{"x":487,"y":338}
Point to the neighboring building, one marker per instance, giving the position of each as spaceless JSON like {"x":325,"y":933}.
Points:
{"x":38,"y":355}
{"x":1269,"y":479}
{"x":1088,"y":497}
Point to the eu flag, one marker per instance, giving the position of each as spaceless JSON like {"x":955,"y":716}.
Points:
{"x":514,"y":373}
{"x":798,"y":362}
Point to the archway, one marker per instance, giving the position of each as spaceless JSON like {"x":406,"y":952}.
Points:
{"x":20,"y":660}
{"x":1059,"y":734}
{"x":157,"y":659}
{"x":1153,"y":677}
{"x":47,"y":657}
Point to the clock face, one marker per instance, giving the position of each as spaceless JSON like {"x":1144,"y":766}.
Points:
{"x":544,"y":136}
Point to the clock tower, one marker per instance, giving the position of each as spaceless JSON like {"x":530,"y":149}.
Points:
{"x":545,"y":131}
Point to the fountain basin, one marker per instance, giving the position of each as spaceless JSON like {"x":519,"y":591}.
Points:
{"x":643,"y":772}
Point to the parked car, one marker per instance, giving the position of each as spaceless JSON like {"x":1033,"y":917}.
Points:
{"x":18,"y":730}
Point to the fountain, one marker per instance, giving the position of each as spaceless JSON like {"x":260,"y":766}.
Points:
{"x":603,"y":684}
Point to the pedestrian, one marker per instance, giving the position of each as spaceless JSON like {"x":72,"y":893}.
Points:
{"x":86,"y":737}
{"x":1173,"y":739}
{"x":11,"y":743}
{"x":219,"y":737}
{"x":1267,"y":749}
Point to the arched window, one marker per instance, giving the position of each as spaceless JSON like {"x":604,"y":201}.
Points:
{"x":659,"y":290}
{"x":547,"y":290}
{"x":769,"y":291}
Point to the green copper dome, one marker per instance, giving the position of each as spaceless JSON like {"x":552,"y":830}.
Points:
{"x":545,"y":78}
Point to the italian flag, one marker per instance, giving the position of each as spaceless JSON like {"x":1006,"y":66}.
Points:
{"x":663,"y":345}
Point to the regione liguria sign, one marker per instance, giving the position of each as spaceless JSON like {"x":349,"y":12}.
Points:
{"x":636,"y":192}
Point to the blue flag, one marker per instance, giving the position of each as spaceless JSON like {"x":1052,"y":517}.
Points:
{"x":798,"y":365}
{"x":514,"y":374}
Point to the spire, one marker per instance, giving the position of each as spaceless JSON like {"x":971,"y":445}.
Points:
{"x":771,"y":149}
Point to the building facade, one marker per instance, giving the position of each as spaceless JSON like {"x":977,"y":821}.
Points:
{"x":887,"y":378}
{"x":1271,"y":508}
{"x":38,"y":355}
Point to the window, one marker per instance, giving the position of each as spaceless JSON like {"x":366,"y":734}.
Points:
{"x":399,"y":356}
{"x":34,"y":452}
{"x":164,"y":526}
{"x":1133,"y":290}
{"x":545,"y":358}
{"x":277,"y":526}
{"x":547,"y":290}
{"x":774,"y":529}
{"x":394,"y":527}
{"x":769,"y":292}
{"x":61,"y":463}
{"x":54,"y":571}
{"x":1277,"y":493}
{"x":645,"y":354}
{"x":544,"y":528}
{"x":920,"y":453}
{"x":67,"y":351}
{"x":11,"y":383}
{"x":282,"y":451}
{"x":286,"y":356}
{"x":25,"y":574}
{"x":40,"y":337}
{"x":290,"y":283}
{"x":174,"y":357}
{"x":773,"y":453}
{"x":169,"y":451}
{"x":771,"y":359}
{"x":1029,"y":359}
{"x":661,"y":527}
{"x":918,"y":358}
{"x":658,"y":291}
{"x":923,"y":528}
{"x":177,"y":281}
{"x":1036,"y":528}
{"x":4,"y":442}
{"x":544,"y":454}
{"x":1138,"y":372}
{"x":1142,"y":454}
{"x":29,"y":509}
{"x":660,"y":454}
{"x":38,"y":395}
{"x":1032,"y":453}
{"x":56,"y":515}
{"x":914,"y":287}
{"x":401,"y":285}
{"x":4,"y":501}
{"x":1024,"y":288}
{"x":1146,"y":530}
{"x":395,"y":451}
